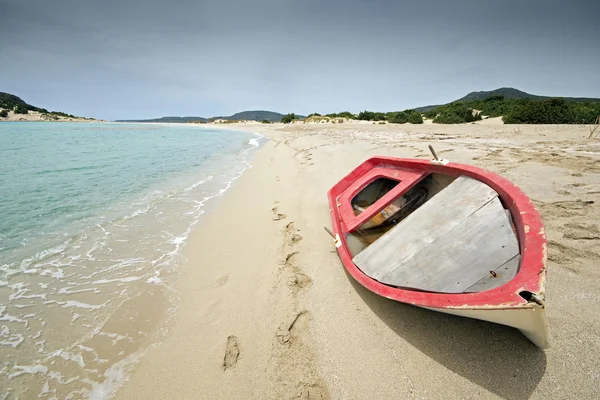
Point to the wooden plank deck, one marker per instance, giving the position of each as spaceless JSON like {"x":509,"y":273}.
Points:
{"x":504,"y":274}
{"x":463,"y":256}
{"x":444,"y":211}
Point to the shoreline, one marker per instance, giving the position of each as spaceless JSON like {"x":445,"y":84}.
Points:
{"x":74,"y":303}
{"x":266,"y":309}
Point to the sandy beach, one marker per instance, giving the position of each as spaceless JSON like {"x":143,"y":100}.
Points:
{"x":266,"y":310}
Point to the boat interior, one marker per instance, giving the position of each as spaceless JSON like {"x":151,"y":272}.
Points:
{"x":430,"y":232}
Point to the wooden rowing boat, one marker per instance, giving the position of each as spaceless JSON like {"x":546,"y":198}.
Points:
{"x":447,"y":237}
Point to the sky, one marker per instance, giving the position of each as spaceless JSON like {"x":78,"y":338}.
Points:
{"x":130,"y":59}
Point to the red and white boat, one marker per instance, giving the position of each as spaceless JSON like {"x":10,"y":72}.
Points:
{"x":447,"y":237}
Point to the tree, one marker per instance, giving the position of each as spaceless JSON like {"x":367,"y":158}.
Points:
{"x":289,"y":118}
{"x":371,"y":116}
{"x":3,"y":113}
{"x":397,"y":117}
{"x":346,"y":114}
{"x":21,"y":109}
{"x":415,"y":117}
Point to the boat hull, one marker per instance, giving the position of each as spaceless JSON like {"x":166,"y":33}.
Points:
{"x":519,"y":303}
{"x":531,"y":321}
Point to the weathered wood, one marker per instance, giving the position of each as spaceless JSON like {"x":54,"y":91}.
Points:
{"x":444,"y":211}
{"x":504,"y":274}
{"x":462,"y":256}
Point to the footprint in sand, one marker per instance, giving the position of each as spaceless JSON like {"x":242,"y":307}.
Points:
{"x":288,"y":258}
{"x":232,"y":353}
{"x":563,"y":254}
{"x":564,"y":209}
{"x":222,"y":280}
{"x":296,"y":238}
{"x":291,"y":233}
{"x":277,"y":216}
{"x":581,"y":231}
{"x":287,"y":331}
{"x":314,"y":391}
{"x":299,"y":281}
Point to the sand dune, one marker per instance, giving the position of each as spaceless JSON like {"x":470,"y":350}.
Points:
{"x":267,"y":311}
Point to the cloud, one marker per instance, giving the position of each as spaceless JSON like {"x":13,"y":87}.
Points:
{"x":135,"y":59}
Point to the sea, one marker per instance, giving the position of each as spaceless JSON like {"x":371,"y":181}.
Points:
{"x":93,"y":221}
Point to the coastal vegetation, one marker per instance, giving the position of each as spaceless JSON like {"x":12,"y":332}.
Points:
{"x":518,"y":111}
{"x":394,"y":117}
{"x":343,"y":114}
{"x":14,"y":103}
{"x":288,"y":118}
{"x":10,"y":102}
{"x":456,"y":113}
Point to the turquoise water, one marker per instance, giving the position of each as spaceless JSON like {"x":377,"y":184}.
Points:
{"x":93,"y":218}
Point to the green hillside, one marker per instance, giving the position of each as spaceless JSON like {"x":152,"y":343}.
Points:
{"x":10,"y":102}
{"x":13,"y":103}
{"x":507,"y":93}
{"x":522,"y":110}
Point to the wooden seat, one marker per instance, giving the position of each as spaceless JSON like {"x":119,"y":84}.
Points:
{"x":449,"y":244}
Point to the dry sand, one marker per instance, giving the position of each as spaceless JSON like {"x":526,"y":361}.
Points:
{"x":267,"y":311}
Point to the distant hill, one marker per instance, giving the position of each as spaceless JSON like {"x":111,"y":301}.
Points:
{"x":257,"y":115}
{"x":508,"y":93}
{"x":177,"y":120}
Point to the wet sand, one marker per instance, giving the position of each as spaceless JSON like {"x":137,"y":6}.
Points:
{"x":266,"y":309}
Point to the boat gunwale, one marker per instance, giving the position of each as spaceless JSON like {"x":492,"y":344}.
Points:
{"x":528,"y":223}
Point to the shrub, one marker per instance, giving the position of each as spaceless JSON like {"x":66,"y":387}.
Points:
{"x":415,"y":117}
{"x":521,"y":111}
{"x":265,"y":121}
{"x":347,"y":114}
{"x":552,"y":111}
{"x":448,"y":118}
{"x":3,"y":113}
{"x":289,"y":118}
{"x":371,"y":116}
{"x":397,"y":117}
{"x":431,"y":114}
{"x":21,"y":109}
{"x":343,"y":114}
{"x":456,"y":113}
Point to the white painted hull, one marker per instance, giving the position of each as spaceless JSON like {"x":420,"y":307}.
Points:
{"x":531,"y":321}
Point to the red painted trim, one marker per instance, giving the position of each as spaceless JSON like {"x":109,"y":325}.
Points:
{"x":407,"y":179}
{"x":528,"y":223}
